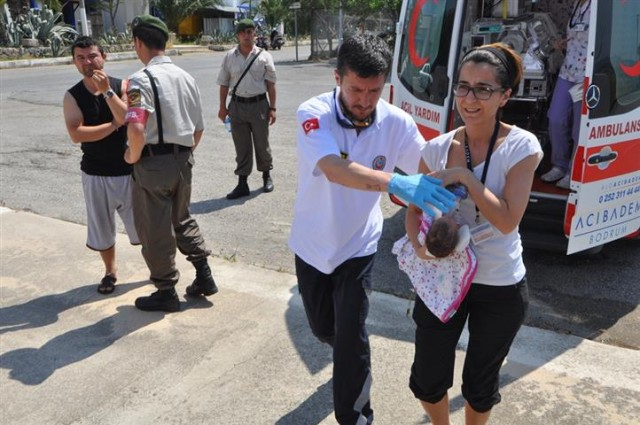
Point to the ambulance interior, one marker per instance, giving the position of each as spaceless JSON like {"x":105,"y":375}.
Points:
{"x":530,"y":27}
{"x":532,"y":34}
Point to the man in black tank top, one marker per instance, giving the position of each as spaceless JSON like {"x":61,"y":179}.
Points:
{"x":94,"y":114}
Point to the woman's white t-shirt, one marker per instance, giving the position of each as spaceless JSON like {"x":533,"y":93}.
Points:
{"x":500,"y":258}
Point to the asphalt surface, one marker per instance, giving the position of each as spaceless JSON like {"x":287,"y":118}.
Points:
{"x":69,"y":355}
{"x":72,"y":356}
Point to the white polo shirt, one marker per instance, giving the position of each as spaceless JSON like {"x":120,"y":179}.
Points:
{"x":333,"y":223}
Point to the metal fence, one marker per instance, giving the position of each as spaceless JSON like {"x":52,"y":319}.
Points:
{"x":330,"y":27}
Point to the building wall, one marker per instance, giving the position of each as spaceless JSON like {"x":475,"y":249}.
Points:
{"x":100,"y":21}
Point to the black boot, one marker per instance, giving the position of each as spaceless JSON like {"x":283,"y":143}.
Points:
{"x":242,"y":189}
{"x":203,"y":284}
{"x":161,"y":300}
{"x":268,"y":183}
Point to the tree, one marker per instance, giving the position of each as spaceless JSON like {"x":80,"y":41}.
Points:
{"x":274,"y":12}
{"x":392,"y":8}
{"x":52,"y":4}
{"x":365,"y":9}
{"x":110,"y":6}
{"x":174,"y":11}
{"x":17,"y":7}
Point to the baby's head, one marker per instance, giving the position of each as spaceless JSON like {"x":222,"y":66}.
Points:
{"x":442,"y":237}
{"x":445,"y":235}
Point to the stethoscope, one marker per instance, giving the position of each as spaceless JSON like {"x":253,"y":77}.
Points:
{"x":573,"y":23}
{"x":347,"y":122}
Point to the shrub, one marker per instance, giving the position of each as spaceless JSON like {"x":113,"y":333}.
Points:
{"x":41,"y":24}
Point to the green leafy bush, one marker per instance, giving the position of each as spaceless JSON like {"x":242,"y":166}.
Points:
{"x":44,"y":25}
{"x":113,"y":38}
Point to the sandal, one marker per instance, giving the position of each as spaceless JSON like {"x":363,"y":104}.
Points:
{"x":107,"y":284}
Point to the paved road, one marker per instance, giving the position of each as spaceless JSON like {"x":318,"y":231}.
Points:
{"x":591,"y":297}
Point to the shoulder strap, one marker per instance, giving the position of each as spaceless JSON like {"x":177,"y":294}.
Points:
{"x":233,"y":91}
{"x":156,"y":101}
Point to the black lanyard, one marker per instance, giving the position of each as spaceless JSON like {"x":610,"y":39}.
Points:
{"x":467,"y":155}
{"x":572,"y":23}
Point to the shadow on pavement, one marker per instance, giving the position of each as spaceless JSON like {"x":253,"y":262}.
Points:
{"x":32,"y":366}
{"x":313,"y":410}
{"x":45,"y":310}
{"x":213,"y":205}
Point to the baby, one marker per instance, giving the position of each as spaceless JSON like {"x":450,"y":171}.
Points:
{"x":443,"y":234}
{"x":443,"y":280}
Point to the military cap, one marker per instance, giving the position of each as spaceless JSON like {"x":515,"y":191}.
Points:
{"x":150,"y":22}
{"x":244,"y":24}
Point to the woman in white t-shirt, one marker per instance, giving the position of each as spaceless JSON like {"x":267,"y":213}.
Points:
{"x":496,"y":162}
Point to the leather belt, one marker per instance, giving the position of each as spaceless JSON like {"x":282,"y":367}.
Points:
{"x":163,"y":149}
{"x":252,"y":99}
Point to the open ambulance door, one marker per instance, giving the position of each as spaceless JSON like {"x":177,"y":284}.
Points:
{"x":423,"y":68}
{"x":605,"y":179}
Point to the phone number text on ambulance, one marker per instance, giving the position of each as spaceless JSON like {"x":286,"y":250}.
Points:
{"x":620,"y":194}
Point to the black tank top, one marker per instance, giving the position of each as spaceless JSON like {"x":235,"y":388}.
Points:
{"x":104,"y":157}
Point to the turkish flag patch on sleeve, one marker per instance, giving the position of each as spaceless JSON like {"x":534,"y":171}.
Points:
{"x":311,"y":124}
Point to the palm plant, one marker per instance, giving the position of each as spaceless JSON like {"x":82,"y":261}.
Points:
{"x":45,"y":26}
{"x":274,"y":12}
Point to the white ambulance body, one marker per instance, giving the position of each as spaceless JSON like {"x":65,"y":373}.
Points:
{"x":603,"y":203}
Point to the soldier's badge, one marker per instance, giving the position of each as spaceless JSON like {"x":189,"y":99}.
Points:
{"x":134,"y":98}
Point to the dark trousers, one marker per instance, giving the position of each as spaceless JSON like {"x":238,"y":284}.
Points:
{"x":337,"y":306}
{"x":495,"y":314}
{"x":161,"y":198}
{"x":250,"y":130}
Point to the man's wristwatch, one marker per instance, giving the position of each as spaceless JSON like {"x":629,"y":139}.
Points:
{"x":108,"y":94}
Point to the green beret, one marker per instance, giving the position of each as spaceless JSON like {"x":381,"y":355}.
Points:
{"x":151,"y":22}
{"x":244,"y":24}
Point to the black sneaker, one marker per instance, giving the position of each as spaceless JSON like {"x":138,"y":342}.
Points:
{"x":161,"y":300}
{"x":203,"y":284}
{"x":239,"y":191}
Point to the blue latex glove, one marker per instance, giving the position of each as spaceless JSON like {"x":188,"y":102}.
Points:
{"x":422,"y":191}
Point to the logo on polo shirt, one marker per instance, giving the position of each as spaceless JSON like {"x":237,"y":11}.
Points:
{"x":311,"y":124}
{"x":379,"y":162}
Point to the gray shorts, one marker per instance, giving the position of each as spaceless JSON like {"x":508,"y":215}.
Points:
{"x":104,"y":195}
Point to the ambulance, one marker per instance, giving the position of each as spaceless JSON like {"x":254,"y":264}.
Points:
{"x":603,"y":202}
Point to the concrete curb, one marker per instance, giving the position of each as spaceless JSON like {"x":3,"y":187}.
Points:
{"x":120,"y":56}
{"x":116,"y":56}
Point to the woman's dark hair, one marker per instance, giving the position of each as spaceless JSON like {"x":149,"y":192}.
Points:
{"x":83,"y":42}
{"x":150,"y":37}
{"x":507,"y":62}
{"x":365,"y":55}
